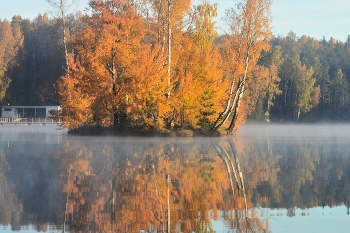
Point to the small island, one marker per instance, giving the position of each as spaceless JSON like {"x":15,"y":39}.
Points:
{"x":155,"y":74}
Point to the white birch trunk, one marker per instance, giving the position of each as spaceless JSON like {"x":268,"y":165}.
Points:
{"x":169,"y":48}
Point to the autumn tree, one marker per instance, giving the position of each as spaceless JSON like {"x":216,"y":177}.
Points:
{"x":274,"y":79}
{"x":305,"y":86}
{"x":121,"y":72}
{"x":167,"y":23}
{"x":125,"y":49}
{"x":249,"y":35}
{"x":198,"y":94}
{"x":10,"y":42}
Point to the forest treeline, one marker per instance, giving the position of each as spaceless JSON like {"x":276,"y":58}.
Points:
{"x":313,"y":79}
{"x":162,"y":65}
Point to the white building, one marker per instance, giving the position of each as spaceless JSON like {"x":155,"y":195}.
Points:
{"x":27,"y":111}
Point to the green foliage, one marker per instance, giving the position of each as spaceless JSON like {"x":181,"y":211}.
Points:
{"x":206,"y":112}
{"x":314,"y":82}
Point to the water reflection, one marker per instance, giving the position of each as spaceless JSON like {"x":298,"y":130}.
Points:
{"x":164,"y":186}
{"x":85,"y":184}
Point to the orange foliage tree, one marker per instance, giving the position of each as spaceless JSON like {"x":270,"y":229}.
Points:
{"x":198,"y":73}
{"x":119,"y":69}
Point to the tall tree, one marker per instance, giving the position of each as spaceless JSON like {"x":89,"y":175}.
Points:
{"x":249,"y":35}
{"x":61,"y":10}
{"x":268,"y":86}
{"x":10,"y":42}
{"x":38,"y":64}
{"x":198,"y":95}
{"x":305,"y":88}
{"x":340,"y":97}
{"x":168,"y":16}
{"x":299,"y":92}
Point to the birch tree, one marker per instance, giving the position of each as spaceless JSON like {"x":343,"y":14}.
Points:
{"x":248,"y":35}
{"x":167,"y":20}
{"x":61,"y":9}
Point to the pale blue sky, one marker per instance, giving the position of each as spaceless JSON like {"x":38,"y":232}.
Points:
{"x":315,"y":18}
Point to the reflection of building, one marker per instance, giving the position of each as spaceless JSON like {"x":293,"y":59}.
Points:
{"x":291,"y":212}
{"x":28,"y":111}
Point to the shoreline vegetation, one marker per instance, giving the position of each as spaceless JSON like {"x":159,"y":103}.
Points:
{"x":104,"y":131}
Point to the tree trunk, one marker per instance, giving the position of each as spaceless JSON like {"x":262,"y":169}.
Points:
{"x":224,"y":115}
{"x":240,"y":96}
{"x":169,"y":48}
{"x":236,"y":111}
{"x":234,"y":151}
{"x":168,"y":203}
{"x":61,"y":8}
{"x":63,"y":12}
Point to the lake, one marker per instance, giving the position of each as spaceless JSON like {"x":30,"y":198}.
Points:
{"x":266,"y":178}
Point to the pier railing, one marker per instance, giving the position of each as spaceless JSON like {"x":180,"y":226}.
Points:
{"x":29,"y":121}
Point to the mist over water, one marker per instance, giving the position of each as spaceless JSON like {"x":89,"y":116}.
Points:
{"x":264,"y":178}
{"x":295,"y":132}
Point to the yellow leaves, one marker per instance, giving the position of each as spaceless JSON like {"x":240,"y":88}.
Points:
{"x":204,"y":31}
{"x":250,"y":29}
{"x":198,"y":78}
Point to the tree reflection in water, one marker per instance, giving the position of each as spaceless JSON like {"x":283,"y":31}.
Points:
{"x":156,"y":187}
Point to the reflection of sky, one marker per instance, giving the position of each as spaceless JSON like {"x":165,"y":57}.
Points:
{"x":314,"y":220}
{"x":313,"y":212}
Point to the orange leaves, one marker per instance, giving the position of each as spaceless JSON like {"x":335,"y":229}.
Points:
{"x":75,"y":97}
{"x":148,"y":87}
{"x":108,"y":49}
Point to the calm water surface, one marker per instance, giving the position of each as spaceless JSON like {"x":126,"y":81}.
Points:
{"x":267,"y":178}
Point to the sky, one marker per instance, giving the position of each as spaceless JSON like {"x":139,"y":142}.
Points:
{"x":314,"y":18}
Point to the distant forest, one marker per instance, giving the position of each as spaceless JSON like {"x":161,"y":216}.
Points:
{"x":314,"y":80}
{"x":311,"y":81}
